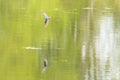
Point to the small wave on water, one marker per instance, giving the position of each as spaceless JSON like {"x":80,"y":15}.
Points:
{"x":32,"y":48}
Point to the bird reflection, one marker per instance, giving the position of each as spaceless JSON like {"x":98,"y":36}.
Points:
{"x":45,"y":65}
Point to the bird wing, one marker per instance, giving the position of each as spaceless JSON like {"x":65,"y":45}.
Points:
{"x":45,"y":15}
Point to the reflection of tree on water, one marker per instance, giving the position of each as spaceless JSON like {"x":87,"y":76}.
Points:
{"x":90,"y":61}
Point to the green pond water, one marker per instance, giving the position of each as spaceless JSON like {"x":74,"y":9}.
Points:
{"x":81,"y":41}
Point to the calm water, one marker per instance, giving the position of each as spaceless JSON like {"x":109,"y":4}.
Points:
{"x":81,"y":41}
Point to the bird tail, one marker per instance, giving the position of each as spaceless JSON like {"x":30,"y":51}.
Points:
{"x":44,"y":69}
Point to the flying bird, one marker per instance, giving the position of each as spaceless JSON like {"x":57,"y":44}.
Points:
{"x":47,"y":18}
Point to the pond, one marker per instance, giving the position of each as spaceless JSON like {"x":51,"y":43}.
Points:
{"x":80,"y":42}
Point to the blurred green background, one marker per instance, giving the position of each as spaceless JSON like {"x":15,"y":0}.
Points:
{"x":81,"y":41}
